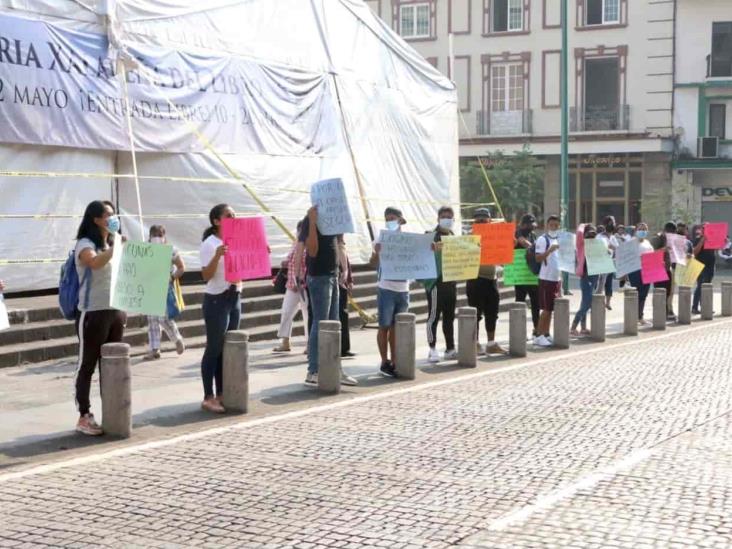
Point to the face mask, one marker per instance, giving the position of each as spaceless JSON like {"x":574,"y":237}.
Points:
{"x":157,"y":240}
{"x":392,"y":225}
{"x":113,"y":224}
{"x":641,"y":234}
{"x":446,"y":223}
{"x":553,"y":234}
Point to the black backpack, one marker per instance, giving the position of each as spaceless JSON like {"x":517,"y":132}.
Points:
{"x":534,"y":265}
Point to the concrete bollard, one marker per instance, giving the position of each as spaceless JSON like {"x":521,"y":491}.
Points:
{"x":517,"y":329}
{"x":329,"y":356}
{"x":597,"y":318}
{"x":561,"y":323}
{"x":684,"y":309}
{"x":630,"y":306}
{"x":726,"y":298}
{"x":467,"y":332}
{"x":406,"y":338}
{"x":116,"y":389}
{"x":659,"y":308}
{"x":236,"y":372}
{"x":707,"y":301}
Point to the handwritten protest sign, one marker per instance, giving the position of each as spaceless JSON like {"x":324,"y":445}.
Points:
{"x":248,"y":255}
{"x":599,"y":261}
{"x":715,"y":235}
{"x":676,"y":244}
{"x":334,"y":213}
{"x":517,"y":273}
{"x":627,"y":258}
{"x":496,"y":244}
{"x":653,"y":268}
{"x":460,"y":257}
{"x":4,"y":320}
{"x":567,"y":251}
{"x":141,"y":277}
{"x":407,"y":256}
{"x":687,"y":275}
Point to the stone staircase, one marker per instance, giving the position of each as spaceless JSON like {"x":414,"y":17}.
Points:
{"x":39,"y":333}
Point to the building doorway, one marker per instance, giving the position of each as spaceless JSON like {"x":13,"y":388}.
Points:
{"x":602,"y":94}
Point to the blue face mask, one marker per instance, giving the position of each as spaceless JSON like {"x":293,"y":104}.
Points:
{"x":392,"y":225}
{"x":113,"y":224}
{"x":446,"y":223}
{"x":641,"y":234}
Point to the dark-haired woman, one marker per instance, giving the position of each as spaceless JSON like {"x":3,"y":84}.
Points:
{"x":221,"y":307}
{"x":588,"y":285}
{"x":98,"y":322}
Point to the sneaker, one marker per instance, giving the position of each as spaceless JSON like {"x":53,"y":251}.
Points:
{"x":550,"y":339}
{"x":348,"y":380}
{"x":671,"y":317}
{"x":387,"y":369}
{"x":282,"y":349}
{"x":152,"y":355}
{"x":180,"y":346}
{"x":311,"y":379}
{"x":695,"y":312}
{"x":644,"y":322}
{"x":542,"y":341}
{"x":433,"y":356}
{"x":479,"y":349}
{"x":212,"y":405}
{"x":450,"y":354}
{"x":87,"y":425}
{"x":348,"y":354}
{"x":495,"y":349}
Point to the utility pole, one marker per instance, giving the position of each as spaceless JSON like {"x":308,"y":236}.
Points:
{"x":564,"y":162}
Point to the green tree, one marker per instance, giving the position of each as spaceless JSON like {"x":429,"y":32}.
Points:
{"x":518,"y":181}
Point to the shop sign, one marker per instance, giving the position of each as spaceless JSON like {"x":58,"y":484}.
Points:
{"x":717,"y":194}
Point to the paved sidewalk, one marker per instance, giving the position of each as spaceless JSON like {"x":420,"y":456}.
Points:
{"x":624,"y":444}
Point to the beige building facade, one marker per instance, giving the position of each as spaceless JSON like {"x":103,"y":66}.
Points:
{"x":505,"y":61}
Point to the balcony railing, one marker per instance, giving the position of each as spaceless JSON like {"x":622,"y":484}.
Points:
{"x":600,"y":119}
{"x":719,"y":69}
{"x":503,"y":122}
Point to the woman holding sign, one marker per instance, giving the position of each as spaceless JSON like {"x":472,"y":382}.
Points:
{"x":97,"y":323}
{"x":636,"y":278}
{"x":221,"y":307}
{"x":588,"y":285}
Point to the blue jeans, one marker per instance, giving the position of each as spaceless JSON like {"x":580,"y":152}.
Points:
{"x":221,"y":313}
{"x":323,"y":292}
{"x":705,"y":277}
{"x":587,"y":285}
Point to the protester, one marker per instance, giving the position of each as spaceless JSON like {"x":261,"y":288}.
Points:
{"x":661,"y":243}
{"x":155,"y":323}
{"x":725,"y":254}
{"x":221,"y":307}
{"x":483,"y":294}
{"x":322,"y":283}
{"x":622,"y":234}
{"x":98,"y":322}
{"x":588,"y":285}
{"x":441,"y":296}
{"x":635,"y":278}
{"x":550,"y":285}
{"x":295,"y":298}
{"x":345,"y":287}
{"x":612,"y":242}
{"x":392,"y":298}
{"x":708,"y":258}
{"x":525,"y":238}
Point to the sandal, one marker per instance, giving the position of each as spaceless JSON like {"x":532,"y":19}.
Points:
{"x":282,"y":349}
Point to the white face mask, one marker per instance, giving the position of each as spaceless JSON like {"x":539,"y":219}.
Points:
{"x":553,"y":234}
{"x":446,"y":223}
{"x":157,"y":240}
{"x":392,"y":225}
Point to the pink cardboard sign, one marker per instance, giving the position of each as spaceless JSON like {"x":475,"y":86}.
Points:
{"x":580,"y":249}
{"x":248,"y":255}
{"x":653,"y":268}
{"x":715,"y":235}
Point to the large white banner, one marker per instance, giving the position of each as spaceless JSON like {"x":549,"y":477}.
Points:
{"x":59,"y":87}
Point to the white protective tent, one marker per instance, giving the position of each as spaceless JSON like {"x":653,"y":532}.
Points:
{"x":273,"y":94}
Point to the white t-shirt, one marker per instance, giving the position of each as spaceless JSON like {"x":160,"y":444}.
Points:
{"x":217,"y":284}
{"x":610,"y":241}
{"x":645,"y":246}
{"x":549,"y":267}
{"x":393,"y":285}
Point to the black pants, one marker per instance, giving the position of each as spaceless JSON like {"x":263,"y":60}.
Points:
{"x":533,"y":293}
{"x":705,"y":277}
{"x":343,"y":314}
{"x":441,"y":301}
{"x":483,"y":295}
{"x":94,"y":328}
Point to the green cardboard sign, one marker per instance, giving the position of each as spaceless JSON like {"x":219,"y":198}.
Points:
{"x":518,"y":272}
{"x":140,"y":278}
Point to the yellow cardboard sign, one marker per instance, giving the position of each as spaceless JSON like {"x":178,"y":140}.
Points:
{"x":460,"y":257}
{"x":686,"y":275}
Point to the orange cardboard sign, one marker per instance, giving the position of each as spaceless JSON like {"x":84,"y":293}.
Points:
{"x":496,"y":242}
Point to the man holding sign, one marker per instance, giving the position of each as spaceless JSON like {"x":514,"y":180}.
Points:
{"x":705,"y":255}
{"x":483,"y":294}
{"x":550,"y":279}
{"x":334,"y":212}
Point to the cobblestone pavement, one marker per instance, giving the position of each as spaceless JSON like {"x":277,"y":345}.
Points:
{"x":625,"y":445}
